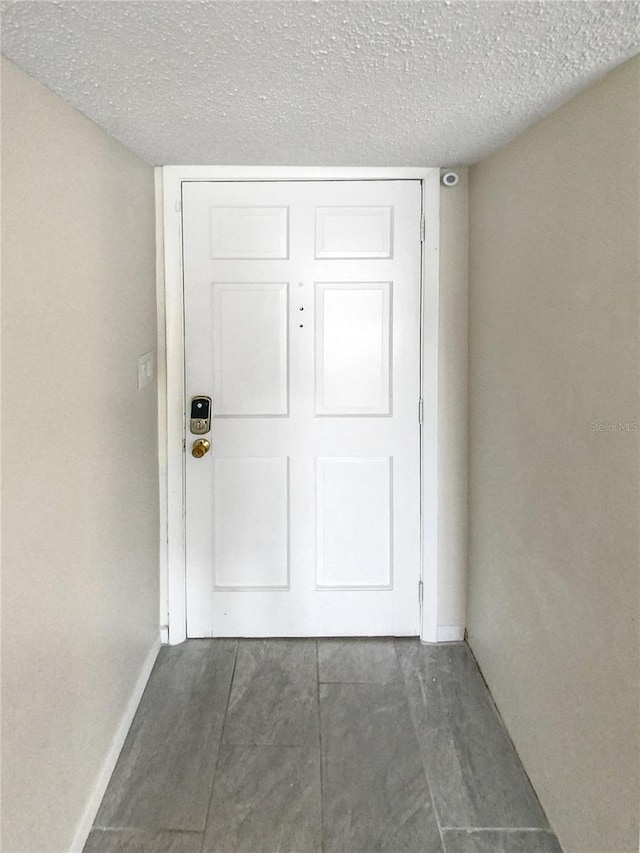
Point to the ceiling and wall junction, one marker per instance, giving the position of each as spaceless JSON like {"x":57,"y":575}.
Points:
{"x":298,"y":82}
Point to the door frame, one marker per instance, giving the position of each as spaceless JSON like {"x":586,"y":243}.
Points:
{"x":171,"y":373}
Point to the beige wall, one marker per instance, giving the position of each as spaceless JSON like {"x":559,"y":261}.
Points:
{"x":452,"y":404}
{"x":80,"y":502}
{"x":553,"y":584}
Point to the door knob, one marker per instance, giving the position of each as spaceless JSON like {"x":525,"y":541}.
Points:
{"x":200,"y":447}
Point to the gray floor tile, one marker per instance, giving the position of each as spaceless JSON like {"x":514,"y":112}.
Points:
{"x":476,"y":777}
{"x":268,"y":792}
{"x":165,"y":771}
{"x":266,"y":799}
{"x":274,"y":696}
{"x":375,"y":793}
{"x":358,"y":661}
{"x":142,"y":841}
{"x":500,"y":841}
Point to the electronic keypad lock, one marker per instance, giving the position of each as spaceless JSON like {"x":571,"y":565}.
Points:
{"x":200,"y":422}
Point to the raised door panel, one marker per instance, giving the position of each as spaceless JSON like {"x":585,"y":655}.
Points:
{"x":353,"y":348}
{"x":354,"y":510}
{"x":354,"y":232}
{"x":251,"y":526}
{"x":250,"y":335}
{"x":249,"y":233}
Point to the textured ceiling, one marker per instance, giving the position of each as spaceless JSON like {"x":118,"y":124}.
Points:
{"x":317,"y":83}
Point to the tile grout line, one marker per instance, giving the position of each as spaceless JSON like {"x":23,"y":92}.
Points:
{"x":253,"y":745}
{"x":145,"y":830}
{"x":215,"y":769}
{"x":226,"y":709}
{"x":498,"y":829}
{"x":320,"y":750}
{"x":422,"y":759}
{"x":358,"y":683}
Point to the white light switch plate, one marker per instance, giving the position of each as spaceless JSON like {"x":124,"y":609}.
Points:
{"x":145,"y":369}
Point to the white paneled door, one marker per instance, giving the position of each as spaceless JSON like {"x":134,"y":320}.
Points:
{"x":302,"y":323}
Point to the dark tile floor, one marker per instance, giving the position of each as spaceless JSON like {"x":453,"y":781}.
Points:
{"x":328,"y":746}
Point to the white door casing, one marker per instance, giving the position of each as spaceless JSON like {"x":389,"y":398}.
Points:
{"x":332,"y":470}
{"x":302,"y":321}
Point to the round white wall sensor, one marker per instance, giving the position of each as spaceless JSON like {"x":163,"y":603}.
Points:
{"x":449,"y":179}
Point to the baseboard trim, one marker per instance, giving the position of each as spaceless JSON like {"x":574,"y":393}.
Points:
{"x":109,"y":763}
{"x":449,"y":633}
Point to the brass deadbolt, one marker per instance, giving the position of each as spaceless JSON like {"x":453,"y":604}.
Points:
{"x":200,"y":447}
